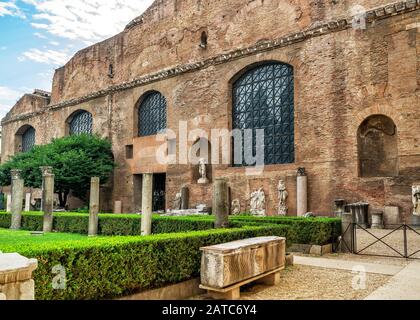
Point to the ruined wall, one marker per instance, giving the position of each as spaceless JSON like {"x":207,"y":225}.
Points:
{"x":169,"y":33}
{"x":342,"y":77}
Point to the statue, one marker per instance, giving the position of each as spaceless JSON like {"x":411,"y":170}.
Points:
{"x":416,"y":200}
{"x":202,"y":170}
{"x":283,"y":195}
{"x":236,"y":207}
{"x":177,"y":202}
{"x":257,"y":200}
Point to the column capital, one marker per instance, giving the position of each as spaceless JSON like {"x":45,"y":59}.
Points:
{"x":16,"y":174}
{"x":46,"y":170}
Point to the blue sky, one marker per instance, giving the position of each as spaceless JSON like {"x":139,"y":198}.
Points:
{"x":39,"y":36}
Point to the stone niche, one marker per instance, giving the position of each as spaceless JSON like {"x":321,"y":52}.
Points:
{"x":16,"y":281}
{"x":378,"y":147}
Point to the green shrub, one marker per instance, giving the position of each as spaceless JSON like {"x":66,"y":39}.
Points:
{"x":109,"y":224}
{"x":110,"y":267}
{"x":315,"y":231}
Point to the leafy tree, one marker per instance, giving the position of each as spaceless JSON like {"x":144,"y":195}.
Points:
{"x":75,"y":159}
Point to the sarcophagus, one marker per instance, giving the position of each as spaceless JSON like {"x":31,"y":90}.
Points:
{"x":227,"y":264}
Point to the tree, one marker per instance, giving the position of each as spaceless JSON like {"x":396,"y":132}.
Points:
{"x":75,"y":159}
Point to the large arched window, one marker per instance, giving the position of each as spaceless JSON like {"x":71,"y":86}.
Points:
{"x":263,"y":98}
{"x":378,"y":147}
{"x":80,"y":122}
{"x":28,"y":139}
{"x":152,"y":114}
{"x":25,"y":138}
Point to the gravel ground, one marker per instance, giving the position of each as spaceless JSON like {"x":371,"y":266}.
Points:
{"x":395,"y":240}
{"x":308,"y":283}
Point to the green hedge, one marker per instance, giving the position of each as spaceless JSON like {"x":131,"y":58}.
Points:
{"x":109,"y":224}
{"x":315,"y":231}
{"x":110,"y":267}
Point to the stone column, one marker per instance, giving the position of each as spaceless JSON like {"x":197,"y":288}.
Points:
{"x":48,"y":198}
{"x":185,"y":198}
{"x":147,"y":204}
{"x":9,"y":202}
{"x":45,"y":170}
{"x":16,"y":281}
{"x":221,"y":203}
{"x":302,"y":192}
{"x":118,"y":207}
{"x":28,"y":202}
{"x":347,"y":230}
{"x":94,"y":207}
{"x":17,"y":199}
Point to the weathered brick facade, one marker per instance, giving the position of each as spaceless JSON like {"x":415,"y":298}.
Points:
{"x":343,"y":75}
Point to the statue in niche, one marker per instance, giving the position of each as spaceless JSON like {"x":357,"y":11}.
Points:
{"x":283,"y":196}
{"x":257,"y":200}
{"x":416,"y":200}
{"x":236,"y":207}
{"x":177,"y":202}
{"x":202,"y":170}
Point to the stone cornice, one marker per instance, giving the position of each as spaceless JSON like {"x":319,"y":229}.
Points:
{"x":340,"y":24}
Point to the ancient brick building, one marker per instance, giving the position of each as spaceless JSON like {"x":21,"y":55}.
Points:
{"x":335,"y":86}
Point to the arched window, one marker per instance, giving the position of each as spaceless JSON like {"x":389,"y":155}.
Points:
{"x":80,"y":122}
{"x":28,"y":139}
{"x":152,"y":114}
{"x":263,"y":98}
{"x":378,"y":147}
{"x":25,"y":139}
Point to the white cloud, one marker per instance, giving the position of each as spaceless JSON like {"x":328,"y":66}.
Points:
{"x":9,"y":8}
{"x":4,"y":48}
{"x":40,"y":35}
{"x":52,"y":57}
{"x":85,"y":20}
{"x":8,"y":98}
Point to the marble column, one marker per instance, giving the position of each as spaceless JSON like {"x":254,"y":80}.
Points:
{"x":17,"y":199}
{"x":94,"y":207}
{"x":9,"y":202}
{"x":48,"y":200}
{"x":147,"y":204}
{"x":118,"y":207}
{"x":45,"y":170}
{"x":302,"y":192}
{"x":28,"y":202}
{"x":221,"y":203}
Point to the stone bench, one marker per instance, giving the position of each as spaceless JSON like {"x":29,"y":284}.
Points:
{"x":225,"y":268}
{"x":16,"y":277}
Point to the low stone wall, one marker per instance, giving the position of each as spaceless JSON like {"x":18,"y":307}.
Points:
{"x":16,"y":282}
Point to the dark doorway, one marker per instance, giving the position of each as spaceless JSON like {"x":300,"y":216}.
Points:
{"x":159,"y":192}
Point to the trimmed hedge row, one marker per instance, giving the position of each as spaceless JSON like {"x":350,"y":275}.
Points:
{"x":102,"y":267}
{"x":109,"y":224}
{"x":315,"y":231}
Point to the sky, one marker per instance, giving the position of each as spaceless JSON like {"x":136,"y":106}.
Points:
{"x":39,"y":36}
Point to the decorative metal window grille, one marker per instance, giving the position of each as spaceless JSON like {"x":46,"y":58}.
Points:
{"x":152,"y":115}
{"x":28,"y":140}
{"x":81,"y":123}
{"x":263,"y":98}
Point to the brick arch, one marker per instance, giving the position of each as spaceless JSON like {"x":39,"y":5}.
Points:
{"x":18,"y":138}
{"x":70,"y":118}
{"x":383,"y":109}
{"x":252,"y":61}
